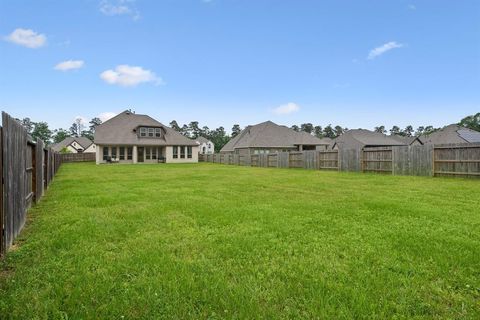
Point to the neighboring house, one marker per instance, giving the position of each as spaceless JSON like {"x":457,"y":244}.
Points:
{"x":268,"y":137}
{"x":205,"y":146}
{"x":451,"y":134}
{"x":75,"y":145}
{"x":408,"y":141}
{"x":136,"y":138}
{"x":359,"y":138}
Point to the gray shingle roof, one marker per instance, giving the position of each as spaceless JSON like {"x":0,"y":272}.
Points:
{"x":119,"y":130}
{"x":358,"y":138}
{"x":451,"y":134}
{"x":406,"y":140}
{"x":202,"y":140}
{"x":270,"y":135}
{"x":84,"y":142}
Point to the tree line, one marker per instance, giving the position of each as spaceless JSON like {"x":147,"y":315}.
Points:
{"x":42,"y":131}
{"x":218,"y":136}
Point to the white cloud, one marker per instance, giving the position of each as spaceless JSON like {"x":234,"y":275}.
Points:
{"x":27,"y":38}
{"x":119,"y":7}
{"x":286,"y":109}
{"x":69,"y":65}
{"x":378,"y":51}
{"x":129,"y":76}
{"x":104,"y":116}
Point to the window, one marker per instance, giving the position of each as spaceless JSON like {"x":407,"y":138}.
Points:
{"x":175,"y":152}
{"x":105,"y":153}
{"x":122,"y":153}
{"x":151,"y":132}
{"x":147,"y":153}
{"x":114,"y":152}
{"x":157,"y":132}
{"x":143,"y":132}
{"x":182,"y":152}
{"x":154,"y":153}
{"x":189,"y":152}
{"x":204,"y":149}
{"x":129,"y":153}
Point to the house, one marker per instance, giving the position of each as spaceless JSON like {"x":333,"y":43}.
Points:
{"x":75,"y":145}
{"x":268,"y":137}
{"x":360,"y":138}
{"x":451,"y":134}
{"x":137,"y":138}
{"x":205,"y":146}
{"x":408,"y":141}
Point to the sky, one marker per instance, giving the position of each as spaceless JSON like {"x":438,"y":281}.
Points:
{"x":358,"y":64}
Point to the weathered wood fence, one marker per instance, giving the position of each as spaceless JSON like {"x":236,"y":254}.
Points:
{"x":78,"y":157}
{"x":427,"y":160}
{"x":27,"y":168}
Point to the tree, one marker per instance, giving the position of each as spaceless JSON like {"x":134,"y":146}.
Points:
{"x":88,"y":134}
{"x":185,"y":131}
{"x":318,"y":131}
{"x":329,"y":132}
{"x":65,"y":150}
{"x":219,"y":138}
{"x":420,"y":130}
{"x":28,"y":124}
{"x":295,"y":128}
{"x":338,"y":131}
{"x":408,"y":132}
{"x":429,"y":129}
{"x":395,"y":131}
{"x":194,"y":130}
{"x":60,"y":134}
{"x":380,"y":129}
{"x":174,"y":125}
{"x":94,"y":123}
{"x":471,"y":122}
{"x":77,"y":127}
{"x":236,"y":130}
{"x":42,"y":132}
{"x":205,"y":132}
{"x":306,"y":127}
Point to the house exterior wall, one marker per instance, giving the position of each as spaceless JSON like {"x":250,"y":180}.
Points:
{"x":71,"y":149}
{"x":91,"y":149}
{"x":170,"y":159}
{"x":208,"y":147}
{"x":165,"y":151}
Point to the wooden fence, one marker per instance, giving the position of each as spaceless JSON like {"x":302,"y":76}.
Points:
{"x":427,"y":160}
{"x":78,"y":157}
{"x":306,"y":159}
{"x":27,"y":168}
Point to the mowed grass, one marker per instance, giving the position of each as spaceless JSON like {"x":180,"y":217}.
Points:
{"x":214,"y":241}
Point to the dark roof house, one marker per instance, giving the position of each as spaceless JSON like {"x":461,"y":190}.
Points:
{"x":132,"y":138}
{"x":270,"y":137}
{"x":451,"y":134}
{"x":74,"y":144}
{"x":359,"y":138}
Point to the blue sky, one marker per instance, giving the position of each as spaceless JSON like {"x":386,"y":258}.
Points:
{"x":354,"y":63}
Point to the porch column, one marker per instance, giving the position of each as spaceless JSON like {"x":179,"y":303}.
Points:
{"x":300,"y":147}
{"x":135,"y":154}
{"x":98,"y":154}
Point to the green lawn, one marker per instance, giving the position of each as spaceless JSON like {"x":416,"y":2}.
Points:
{"x":215,"y":241}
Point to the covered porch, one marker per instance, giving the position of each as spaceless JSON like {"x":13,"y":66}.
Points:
{"x":131,"y":154}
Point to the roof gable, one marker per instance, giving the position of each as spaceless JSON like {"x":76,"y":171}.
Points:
{"x":361,"y":138}
{"x":271,"y":135}
{"x":121,"y":129}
